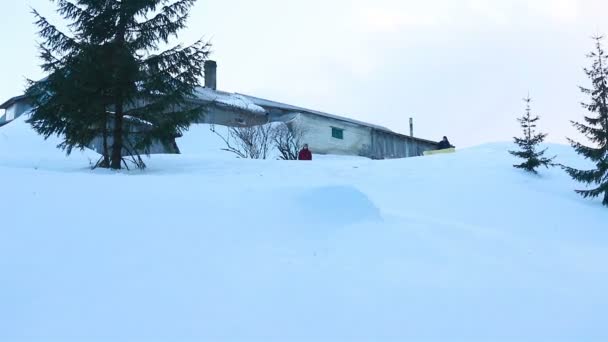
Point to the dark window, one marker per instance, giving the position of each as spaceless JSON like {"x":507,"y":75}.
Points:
{"x":337,"y":133}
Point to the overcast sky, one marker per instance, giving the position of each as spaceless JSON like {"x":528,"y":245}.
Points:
{"x":459,"y":67}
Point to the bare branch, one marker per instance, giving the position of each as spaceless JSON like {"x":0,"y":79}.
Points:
{"x":249,"y":141}
{"x":288,"y":139}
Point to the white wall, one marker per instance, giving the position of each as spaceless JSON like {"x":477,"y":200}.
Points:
{"x":318,"y":135}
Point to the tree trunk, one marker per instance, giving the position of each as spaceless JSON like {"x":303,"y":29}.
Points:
{"x":118,"y":55}
{"x":116,"y":160}
{"x":106,"y":151}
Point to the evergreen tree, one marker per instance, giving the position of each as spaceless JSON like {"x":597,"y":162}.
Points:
{"x":529,"y":143}
{"x":108,"y":79}
{"x":595,"y":128}
{"x":70,"y":102}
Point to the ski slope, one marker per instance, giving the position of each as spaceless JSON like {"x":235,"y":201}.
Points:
{"x":206,"y":247}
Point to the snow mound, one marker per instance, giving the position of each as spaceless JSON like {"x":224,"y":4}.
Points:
{"x":207,"y":247}
{"x":205,"y":141}
{"x":21,"y":146}
{"x":200,"y":140}
{"x":335,"y":205}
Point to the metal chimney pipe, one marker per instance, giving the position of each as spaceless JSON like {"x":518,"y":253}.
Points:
{"x":211,"y":75}
{"x":412,"y":127}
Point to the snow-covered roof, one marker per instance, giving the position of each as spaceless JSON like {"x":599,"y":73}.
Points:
{"x":231,"y":100}
{"x":296,"y":110}
{"x":222,"y":98}
{"x":268,"y":103}
{"x":255,"y":105}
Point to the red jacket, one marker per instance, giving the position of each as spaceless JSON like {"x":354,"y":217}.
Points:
{"x":305,"y":155}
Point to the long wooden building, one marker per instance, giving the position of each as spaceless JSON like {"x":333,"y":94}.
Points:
{"x":325,"y":133}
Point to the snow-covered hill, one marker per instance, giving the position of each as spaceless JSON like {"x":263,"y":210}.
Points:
{"x":206,"y":247}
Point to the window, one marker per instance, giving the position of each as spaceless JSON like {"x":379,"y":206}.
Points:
{"x":9,"y":114}
{"x":337,"y":133}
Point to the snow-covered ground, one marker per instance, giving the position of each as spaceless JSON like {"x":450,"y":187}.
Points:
{"x":207,"y":247}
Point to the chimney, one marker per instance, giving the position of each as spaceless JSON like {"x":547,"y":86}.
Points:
{"x":412,"y":127}
{"x":211,"y":75}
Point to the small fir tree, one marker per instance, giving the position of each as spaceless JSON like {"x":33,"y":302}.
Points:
{"x":595,"y":128}
{"x":529,"y":152}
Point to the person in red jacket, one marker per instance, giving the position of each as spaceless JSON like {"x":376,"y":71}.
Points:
{"x":305,"y":153}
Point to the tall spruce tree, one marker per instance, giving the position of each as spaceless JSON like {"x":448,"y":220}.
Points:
{"x":107,"y":78}
{"x":595,"y":128}
{"x":533,"y":157}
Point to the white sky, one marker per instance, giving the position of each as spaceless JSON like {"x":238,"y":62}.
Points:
{"x":459,"y":67}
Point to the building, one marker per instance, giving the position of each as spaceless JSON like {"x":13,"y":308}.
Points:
{"x":325,"y":133}
{"x":332,"y":134}
{"x":13,"y":108}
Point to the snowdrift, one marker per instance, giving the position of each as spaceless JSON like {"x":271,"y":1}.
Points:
{"x":21,"y":146}
{"x":206,"y":247}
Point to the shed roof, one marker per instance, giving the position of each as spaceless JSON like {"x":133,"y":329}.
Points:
{"x":12,"y":101}
{"x":231,"y":100}
{"x":273,"y":104}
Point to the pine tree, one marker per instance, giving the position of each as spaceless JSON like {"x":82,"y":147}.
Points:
{"x":70,"y":102}
{"x":595,"y":128}
{"x":108,"y":79}
{"x":529,"y":143}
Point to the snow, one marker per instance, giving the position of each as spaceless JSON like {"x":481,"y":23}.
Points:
{"x":20,"y":146}
{"x":205,"y":142}
{"x":242,"y":102}
{"x":207,"y":247}
{"x":200,"y":141}
{"x":229,"y":99}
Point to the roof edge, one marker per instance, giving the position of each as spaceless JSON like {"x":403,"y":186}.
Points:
{"x":11,"y":101}
{"x":337,"y":117}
